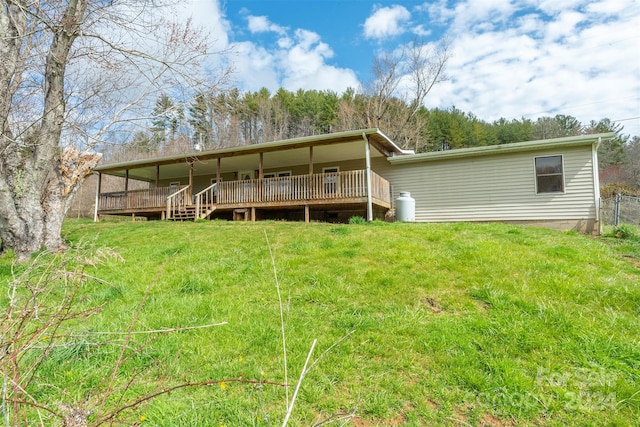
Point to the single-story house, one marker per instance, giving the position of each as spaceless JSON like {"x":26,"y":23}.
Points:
{"x":332,"y":177}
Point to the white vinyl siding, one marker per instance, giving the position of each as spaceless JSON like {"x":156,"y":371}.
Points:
{"x":495,"y":187}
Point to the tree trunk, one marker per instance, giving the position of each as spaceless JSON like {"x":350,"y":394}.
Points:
{"x":38,"y":117}
{"x":38,"y":221}
{"x":34,"y":185}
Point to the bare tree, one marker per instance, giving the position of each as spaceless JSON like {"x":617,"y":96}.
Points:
{"x":404,"y":77}
{"x":383,"y":86}
{"x":73,"y":74}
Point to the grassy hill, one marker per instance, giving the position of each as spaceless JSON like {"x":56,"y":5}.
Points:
{"x":417,"y":324}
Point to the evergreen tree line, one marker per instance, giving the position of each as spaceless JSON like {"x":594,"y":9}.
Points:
{"x":233,"y":118}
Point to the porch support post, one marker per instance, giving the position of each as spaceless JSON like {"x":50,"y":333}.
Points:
{"x":596,"y":184}
{"x":260,"y":176}
{"x":157,"y":176}
{"x":126,"y":180}
{"x":367,"y":156}
{"x":306,"y":213}
{"x":309,"y":181}
{"x":253,"y":214}
{"x":98,"y":190}
{"x":190,"y":179}
{"x":219,"y":162}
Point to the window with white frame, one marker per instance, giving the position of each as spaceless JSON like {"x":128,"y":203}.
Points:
{"x":276,"y":174}
{"x":549,"y":174}
{"x":331,"y":178}
{"x":331,"y":169}
{"x":277,"y":187}
{"x":245,"y":175}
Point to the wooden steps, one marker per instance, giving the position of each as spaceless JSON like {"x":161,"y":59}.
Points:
{"x":188,"y":213}
{"x":208,"y":212}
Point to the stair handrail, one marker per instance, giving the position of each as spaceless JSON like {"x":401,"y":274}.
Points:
{"x":204,"y":199}
{"x":177,"y":201}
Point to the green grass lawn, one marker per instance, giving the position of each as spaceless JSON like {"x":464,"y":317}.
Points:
{"x":453,"y":324}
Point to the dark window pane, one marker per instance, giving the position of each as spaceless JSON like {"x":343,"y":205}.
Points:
{"x":547,"y":165}
{"x":550,"y":184}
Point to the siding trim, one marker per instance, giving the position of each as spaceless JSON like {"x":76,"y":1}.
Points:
{"x":515,"y":147}
{"x":596,"y":178}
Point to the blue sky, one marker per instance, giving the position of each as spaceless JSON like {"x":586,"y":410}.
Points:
{"x":511,"y":58}
{"x":340,"y":24}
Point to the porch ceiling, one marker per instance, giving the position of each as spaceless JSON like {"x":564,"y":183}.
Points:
{"x":332,"y":153}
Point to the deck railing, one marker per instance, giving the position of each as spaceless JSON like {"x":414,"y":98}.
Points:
{"x":134,"y":199}
{"x":205,"y":201}
{"x":348,"y":185}
{"x":178,"y":201}
{"x":326,"y":186}
{"x":380,"y":188}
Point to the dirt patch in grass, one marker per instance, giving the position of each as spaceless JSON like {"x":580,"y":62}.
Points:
{"x":398,"y":420}
{"x":433,"y":305}
{"x":360,"y":422}
{"x":633,"y":260}
{"x":432,"y":404}
{"x":482,"y":304}
{"x":489,"y":420}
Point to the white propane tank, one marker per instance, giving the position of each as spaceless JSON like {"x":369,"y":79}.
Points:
{"x":405,"y":207}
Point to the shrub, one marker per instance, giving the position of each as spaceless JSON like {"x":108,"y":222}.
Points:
{"x":357,"y":220}
{"x":626,"y":232}
{"x":610,"y":190}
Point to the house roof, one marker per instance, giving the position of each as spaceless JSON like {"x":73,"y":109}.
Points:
{"x":289,"y":152}
{"x":570,"y":141}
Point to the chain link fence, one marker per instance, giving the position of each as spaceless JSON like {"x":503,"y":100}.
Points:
{"x":621,"y":210}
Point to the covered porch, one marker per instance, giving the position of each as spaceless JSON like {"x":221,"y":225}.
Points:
{"x":332,"y":191}
{"x":281,"y":180}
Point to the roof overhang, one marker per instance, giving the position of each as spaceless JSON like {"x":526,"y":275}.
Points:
{"x":571,"y":141}
{"x":277,"y":154}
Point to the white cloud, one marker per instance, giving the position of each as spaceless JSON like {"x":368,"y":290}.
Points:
{"x":207,"y":15}
{"x":553,"y":7}
{"x":482,"y":15}
{"x":260,"y":24}
{"x":564,"y":25}
{"x":575,"y":63}
{"x":438,"y":11}
{"x":608,"y":7}
{"x":531,"y":23}
{"x":254,"y":67}
{"x":296,"y":62}
{"x":304,"y":65}
{"x":512,"y":58}
{"x":421,"y":31}
{"x":387,"y":22}
{"x":285,"y":42}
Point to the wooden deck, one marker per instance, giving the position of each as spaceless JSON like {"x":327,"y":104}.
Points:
{"x":328,"y":189}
